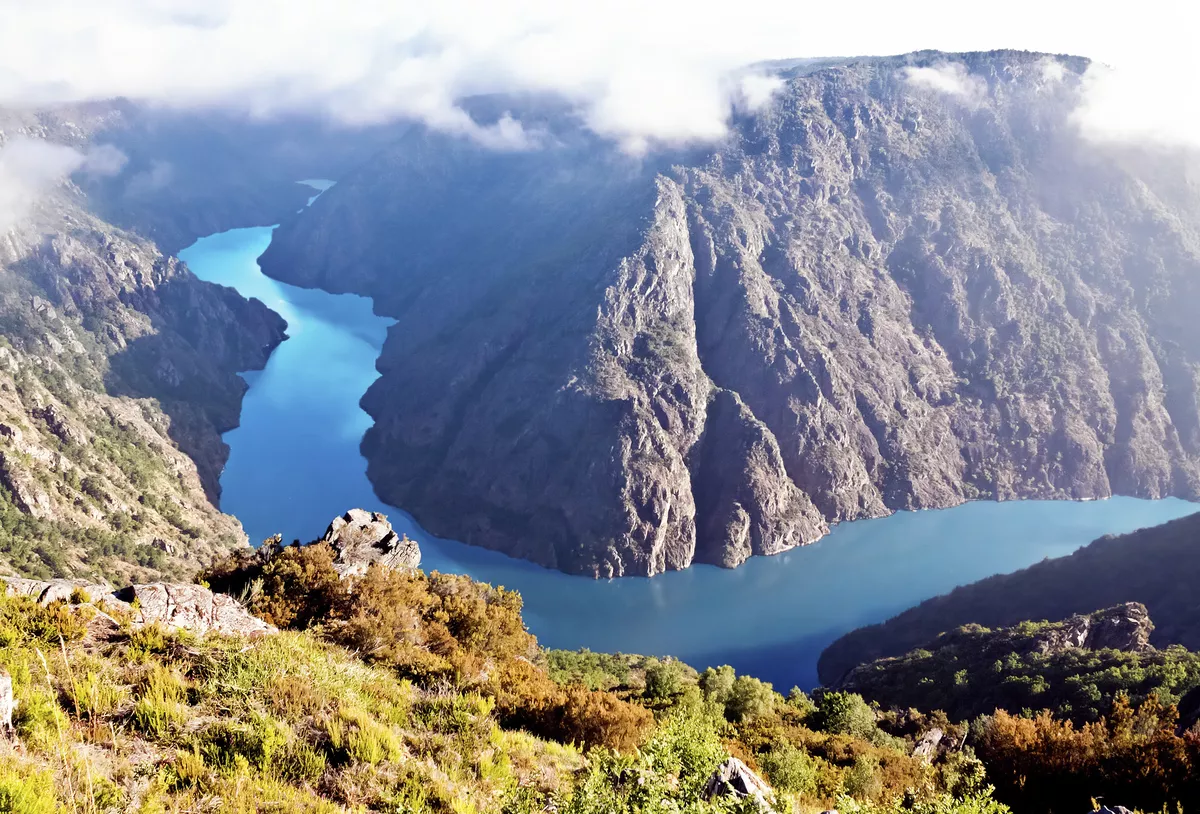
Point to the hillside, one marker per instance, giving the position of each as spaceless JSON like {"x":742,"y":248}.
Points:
{"x":874,"y":295}
{"x":400,"y":691}
{"x":1157,"y":567}
{"x":118,"y":373}
{"x":1076,"y":668}
{"x":395,"y":690}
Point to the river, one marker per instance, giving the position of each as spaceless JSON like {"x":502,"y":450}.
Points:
{"x":295,"y":464}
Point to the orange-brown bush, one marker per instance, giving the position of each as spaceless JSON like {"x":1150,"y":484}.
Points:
{"x":1133,"y":756}
{"x":527,"y":698}
{"x":292,"y":587}
{"x":435,"y":629}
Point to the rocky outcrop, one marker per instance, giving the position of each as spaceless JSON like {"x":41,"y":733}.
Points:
{"x":56,"y":590}
{"x":879,"y":293}
{"x":175,"y":606}
{"x":733,"y":778}
{"x":927,"y":745}
{"x":193,"y":608}
{"x":1127,"y":628}
{"x":361,"y":538}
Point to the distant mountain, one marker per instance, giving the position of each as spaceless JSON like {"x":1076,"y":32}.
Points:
{"x":905,"y":283}
{"x":1158,"y":567}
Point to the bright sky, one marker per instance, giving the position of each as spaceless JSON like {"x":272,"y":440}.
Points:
{"x":637,"y":69}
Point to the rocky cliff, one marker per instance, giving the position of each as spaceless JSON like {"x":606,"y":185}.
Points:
{"x":902,"y":284}
{"x":118,"y":373}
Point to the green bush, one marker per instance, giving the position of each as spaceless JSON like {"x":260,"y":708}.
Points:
{"x":227,"y":746}
{"x":789,"y":769}
{"x":25,"y":791}
{"x":159,"y":710}
{"x":843,"y":713}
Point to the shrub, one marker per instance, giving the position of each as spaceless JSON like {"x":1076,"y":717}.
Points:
{"x":227,"y":745}
{"x":789,"y":769}
{"x":843,"y":713}
{"x":94,"y":694}
{"x":39,"y":720}
{"x":862,"y":780}
{"x":159,"y":710}
{"x":23,"y":791}
{"x":742,"y":697}
{"x":299,"y":762}
{"x":664,"y":680}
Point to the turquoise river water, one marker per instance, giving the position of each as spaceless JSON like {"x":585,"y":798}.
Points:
{"x":295,"y":464}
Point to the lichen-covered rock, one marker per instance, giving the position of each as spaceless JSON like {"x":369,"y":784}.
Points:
{"x":57,"y":590}
{"x":360,"y":538}
{"x":193,"y":608}
{"x":733,"y":778}
{"x":927,"y":745}
{"x":174,"y":605}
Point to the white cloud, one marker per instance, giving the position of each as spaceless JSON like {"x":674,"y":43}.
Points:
{"x":950,"y":78}
{"x":104,"y":161}
{"x":640,"y":71}
{"x":28,"y":168}
{"x":1155,"y":104}
{"x":755,"y":91}
{"x":160,"y":174}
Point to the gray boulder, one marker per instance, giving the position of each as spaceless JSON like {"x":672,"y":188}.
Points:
{"x":46,"y":591}
{"x":927,"y":746}
{"x":360,"y":538}
{"x":733,"y":778}
{"x":193,"y":608}
{"x":176,"y":606}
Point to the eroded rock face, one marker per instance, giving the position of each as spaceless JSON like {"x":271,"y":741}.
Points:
{"x":873,"y":296}
{"x":360,"y":538}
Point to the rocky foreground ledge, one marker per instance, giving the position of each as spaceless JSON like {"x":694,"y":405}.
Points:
{"x":359,"y":539}
{"x":176,"y":606}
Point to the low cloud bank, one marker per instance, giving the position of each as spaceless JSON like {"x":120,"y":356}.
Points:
{"x":641,"y":73}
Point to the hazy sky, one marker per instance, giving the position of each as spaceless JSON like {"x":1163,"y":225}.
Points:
{"x":638,"y":71}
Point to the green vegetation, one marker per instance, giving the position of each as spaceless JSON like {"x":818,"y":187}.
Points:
{"x":407,"y":692}
{"x":974,"y":671}
{"x":411,"y":692}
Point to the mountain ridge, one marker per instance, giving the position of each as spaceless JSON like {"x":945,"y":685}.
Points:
{"x":916,"y":298}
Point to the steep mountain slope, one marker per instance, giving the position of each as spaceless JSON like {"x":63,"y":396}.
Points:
{"x":118,"y":372}
{"x":1158,"y":567}
{"x":903,"y":284}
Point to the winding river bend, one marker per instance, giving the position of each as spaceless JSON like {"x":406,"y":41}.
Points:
{"x":295,"y":464}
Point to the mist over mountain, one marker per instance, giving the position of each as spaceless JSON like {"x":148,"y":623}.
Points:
{"x":902,"y":284}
